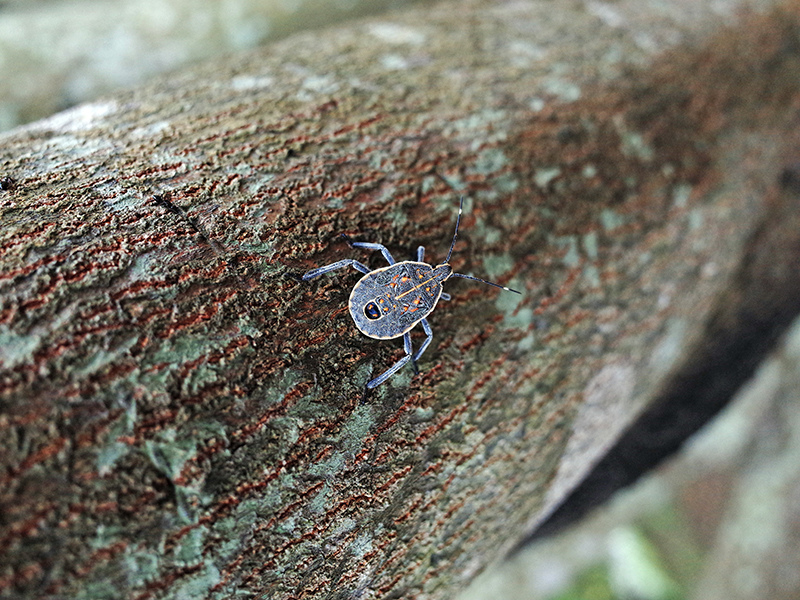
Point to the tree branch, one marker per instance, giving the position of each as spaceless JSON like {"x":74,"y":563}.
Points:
{"x":180,"y":417}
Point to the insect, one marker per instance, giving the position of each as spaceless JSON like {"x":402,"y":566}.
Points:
{"x":388,"y":302}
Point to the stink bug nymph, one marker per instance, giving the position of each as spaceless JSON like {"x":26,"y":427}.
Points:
{"x":387,"y":303}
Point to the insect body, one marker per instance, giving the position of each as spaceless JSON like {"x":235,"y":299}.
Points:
{"x":395,"y":298}
{"x":387,"y":303}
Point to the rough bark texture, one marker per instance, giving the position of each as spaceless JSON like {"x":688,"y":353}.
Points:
{"x":182,"y":418}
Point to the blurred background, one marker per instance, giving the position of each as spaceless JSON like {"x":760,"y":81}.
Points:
{"x":720,"y":520}
{"x":58,"y":53}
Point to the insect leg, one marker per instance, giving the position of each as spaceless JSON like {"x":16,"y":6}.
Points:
{"x":413,"y":358}
{"x":395,"y":367}
{"x":428,"y":332}
{"x":421,"y":254}
{"x":348,"y":262}
{"x":445,"y":296}
{"x":370,"y":246}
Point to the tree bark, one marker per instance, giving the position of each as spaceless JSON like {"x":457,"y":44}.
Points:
{"x":181,"y":417}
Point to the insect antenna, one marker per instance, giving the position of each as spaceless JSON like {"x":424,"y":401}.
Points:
{"x":452,"y":245}
{"x":455,"y":235}
{"x":497,"y":285}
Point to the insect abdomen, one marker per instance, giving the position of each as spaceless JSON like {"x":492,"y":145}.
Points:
{"x":388,"y":302}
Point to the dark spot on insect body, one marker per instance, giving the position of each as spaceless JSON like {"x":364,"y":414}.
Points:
{"x":6,"y":183}
{"x":371,"y":311}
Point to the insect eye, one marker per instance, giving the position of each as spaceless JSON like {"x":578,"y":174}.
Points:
{"x":372,"y":312}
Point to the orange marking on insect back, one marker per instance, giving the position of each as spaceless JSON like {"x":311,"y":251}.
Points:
{"x":416,"y":287}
